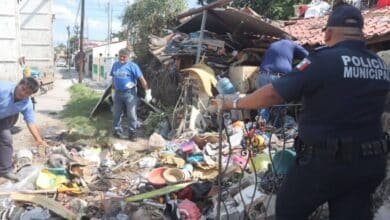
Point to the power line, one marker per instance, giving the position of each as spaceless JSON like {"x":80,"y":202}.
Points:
{"x":77,"y":14}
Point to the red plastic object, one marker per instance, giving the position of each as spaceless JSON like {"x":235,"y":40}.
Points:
{"x":382,"y":3}
{"x":155,"y":177}
{"x":188,"y":210}
{"x":251,"y":133}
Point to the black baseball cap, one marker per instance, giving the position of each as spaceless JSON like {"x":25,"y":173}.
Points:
{"x":345,"y":15}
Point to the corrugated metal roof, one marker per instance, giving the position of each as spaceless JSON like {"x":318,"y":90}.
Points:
{"x":232,"y":21}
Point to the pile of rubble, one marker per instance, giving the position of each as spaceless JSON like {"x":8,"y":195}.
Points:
{"x":186,"y":176}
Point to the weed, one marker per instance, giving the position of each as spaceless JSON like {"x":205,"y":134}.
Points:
{"x":76,"y":116}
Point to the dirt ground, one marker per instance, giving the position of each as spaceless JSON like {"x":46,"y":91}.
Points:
{"x":48,"y":108}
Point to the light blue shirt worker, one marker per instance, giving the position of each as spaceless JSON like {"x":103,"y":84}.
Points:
{"x":9,"y":107}
{"x":125,"y":76}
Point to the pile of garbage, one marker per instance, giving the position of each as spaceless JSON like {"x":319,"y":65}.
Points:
{"x":231,"y":37}
{"x":184,"y":177}
{"x":233,"y":168}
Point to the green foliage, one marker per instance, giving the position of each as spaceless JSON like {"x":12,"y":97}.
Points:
{"x":76,"y":115}
{"x":204,"y":2}
{"x":145,"y":17}
{"x":153,"y":120}
{"x":273,"y":9}
{"x":121,"y":35}
{"x":74,"y":44}
{"x":60,"y":47}
{"x":74,"y":39}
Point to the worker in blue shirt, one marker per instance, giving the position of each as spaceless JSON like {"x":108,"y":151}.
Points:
{"x":15,"y":99}
{"x":125,"y":75}
{"x":341,"y":149}
{"x":278,"y":61}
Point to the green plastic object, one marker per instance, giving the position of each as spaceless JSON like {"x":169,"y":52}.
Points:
{"x":58,"y":171}
{"x":49,"y":180}
{"x":158,"y":192}
{"x":260,"y":162}
{"x":283,"y":161}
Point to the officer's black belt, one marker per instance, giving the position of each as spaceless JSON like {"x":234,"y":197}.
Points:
{"x":344,"y":148}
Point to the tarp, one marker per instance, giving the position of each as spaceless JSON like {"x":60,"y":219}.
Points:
{"x":231,"y":20}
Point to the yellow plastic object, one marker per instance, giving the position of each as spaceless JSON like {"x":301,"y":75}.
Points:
{"x":205,"y":74}
{"x":27,"y":71}
{"x":74,"y":189}
{"x":49,"y":180}
{"x":258,"y":142}
{"x":260,"y":162}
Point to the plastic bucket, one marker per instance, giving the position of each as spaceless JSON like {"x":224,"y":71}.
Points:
{"x":283,"y":161}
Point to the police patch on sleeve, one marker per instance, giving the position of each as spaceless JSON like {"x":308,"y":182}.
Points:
{"x":303,"y":64}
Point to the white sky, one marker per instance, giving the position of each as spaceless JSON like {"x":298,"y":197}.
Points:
{"x":95,"y":26}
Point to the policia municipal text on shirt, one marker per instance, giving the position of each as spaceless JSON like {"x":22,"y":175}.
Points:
{"x":364,"y":68}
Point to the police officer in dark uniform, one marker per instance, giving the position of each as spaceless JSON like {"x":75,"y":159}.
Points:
{"x":341,"y":149}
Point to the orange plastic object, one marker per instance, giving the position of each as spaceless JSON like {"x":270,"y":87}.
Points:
{"x":155,"y":177}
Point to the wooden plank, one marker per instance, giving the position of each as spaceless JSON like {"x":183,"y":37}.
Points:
{"x":45,"y":202}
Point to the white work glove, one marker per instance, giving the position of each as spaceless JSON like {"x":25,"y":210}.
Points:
{"x":223,"y":102}
{"x":148,"y":95}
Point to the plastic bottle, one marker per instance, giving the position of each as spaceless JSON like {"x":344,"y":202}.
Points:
{"x":227,"y":121}
{"x":224,"y":86}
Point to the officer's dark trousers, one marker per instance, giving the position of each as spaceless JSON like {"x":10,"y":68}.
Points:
{"x":6,"y":148}
{"x":346,"y":186}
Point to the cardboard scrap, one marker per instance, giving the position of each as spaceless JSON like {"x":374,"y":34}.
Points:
{"x":45,"y":202}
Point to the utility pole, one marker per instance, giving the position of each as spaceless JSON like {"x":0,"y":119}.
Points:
{"x":67,"y":48}
{"x":81,"y":56}
{"x":109,"y":20}
{"x":202,"y":27}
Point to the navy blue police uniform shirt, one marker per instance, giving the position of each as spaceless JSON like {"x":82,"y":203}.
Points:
{"x":343,"y":90}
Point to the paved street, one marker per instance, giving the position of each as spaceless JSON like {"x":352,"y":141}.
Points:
{"x":47,"y":109}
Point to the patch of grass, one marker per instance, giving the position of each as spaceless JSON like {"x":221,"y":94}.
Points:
{"x":76,"y":116}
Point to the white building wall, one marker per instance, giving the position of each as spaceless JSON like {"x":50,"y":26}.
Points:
{"x":102,"y":63}
{"x":36,"y":25}
{"x":25,"y":31}
{"x":114,"y":48}
{"x":9,"y":41}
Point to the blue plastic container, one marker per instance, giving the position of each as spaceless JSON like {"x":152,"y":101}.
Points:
{"x":224,"y":86}
{"x":35,"y":73}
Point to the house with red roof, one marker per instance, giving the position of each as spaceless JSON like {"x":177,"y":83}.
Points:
{"x":376,"y":29}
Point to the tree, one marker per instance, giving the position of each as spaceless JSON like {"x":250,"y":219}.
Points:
{"x":121,"y":35}
{"x":204,"y":2}
{"x":60,"y":47}
{"x":145,"y":17}
{"x":273,"y":9}
{"x":74,"y":44}
{"x":74,"y":39}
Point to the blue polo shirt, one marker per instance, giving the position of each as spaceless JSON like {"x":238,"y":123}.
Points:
{"x":343,"y":90}
{"x":124,"y":74}
{"x":9,"y":107}
{"x":279,"y":56}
